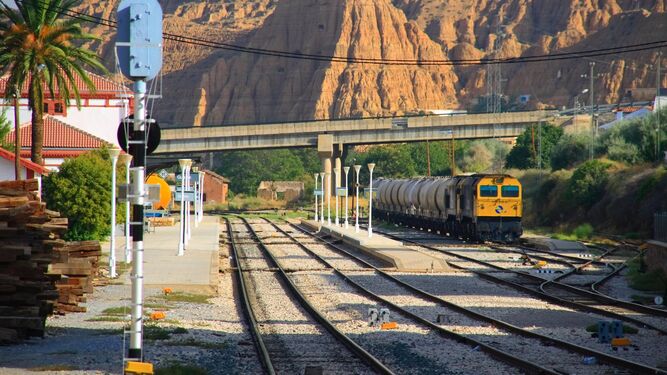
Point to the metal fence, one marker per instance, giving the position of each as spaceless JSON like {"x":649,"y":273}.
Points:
{"x":660,"y":226}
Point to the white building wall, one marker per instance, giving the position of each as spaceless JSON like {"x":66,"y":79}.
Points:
{"x":99,"y":121}
{"x":7,"y":170}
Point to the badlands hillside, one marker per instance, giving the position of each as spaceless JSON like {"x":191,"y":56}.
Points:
{"x":206,"y":86}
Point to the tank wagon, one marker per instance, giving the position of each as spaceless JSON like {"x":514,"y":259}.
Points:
{"x":480,"y":207}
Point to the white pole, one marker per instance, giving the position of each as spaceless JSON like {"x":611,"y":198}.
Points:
{"x":187,"y":205}
{"x":370,"y":200}
{"x":195,"y":186}
{"x":329,"y":200}
{"x":181,"y":238}
{"x":317,"y":176}
{"x":322,"y":212}
{"x":201,"y":195}
{"x":127,"y":160}
{"x":114,"y":152}
{"x":347,"y":189}
{"x":337,"y":174}
{"x":357,"y":168}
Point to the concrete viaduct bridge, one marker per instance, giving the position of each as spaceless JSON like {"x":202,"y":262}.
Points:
{"x":330,"y":136}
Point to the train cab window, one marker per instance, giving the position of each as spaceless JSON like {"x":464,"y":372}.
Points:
{"x":510,"y":191}
{"x":488,"y":191}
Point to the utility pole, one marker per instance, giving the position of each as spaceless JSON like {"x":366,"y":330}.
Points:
{"x":658,"y":84}
{"x":591,"y":98}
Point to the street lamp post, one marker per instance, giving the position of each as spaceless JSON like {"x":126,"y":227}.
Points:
{"x":317,"y":208}
{"x":370,"y":200}
{"x":337,"y":174}
{"x":113,"y":152}
{"x":196,"y":197}
{"x":328,"y":177}
{"x":347,"y":189}
{"x":187,"y":203}
{"x":357,"y":169}
{"x":126,"y":159}
{"x":322,"y":212}
{"x":201,"y":195}
{"x":183,"y":163}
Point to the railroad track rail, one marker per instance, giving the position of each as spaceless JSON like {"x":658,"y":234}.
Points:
{"x":480,"y":319}
{"x":275,"y":354}
{"x":560,"y":293}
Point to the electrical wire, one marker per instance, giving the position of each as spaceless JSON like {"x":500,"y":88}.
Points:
{"x":355,"y":60}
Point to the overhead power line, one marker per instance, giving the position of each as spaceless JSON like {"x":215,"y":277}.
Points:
{"x":357,"y":60}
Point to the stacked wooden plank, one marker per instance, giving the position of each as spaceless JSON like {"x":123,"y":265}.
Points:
{"x":78,"y":264}
{"x":39,"y":272}
{"x":27,"y":232}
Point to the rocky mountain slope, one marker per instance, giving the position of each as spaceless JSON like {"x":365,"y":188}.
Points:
{"x":203,"y":86}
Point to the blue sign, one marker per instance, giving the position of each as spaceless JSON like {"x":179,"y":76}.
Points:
{"x":318,"y":193}
{"x":500,"y":209}
{"x":139,"y":38}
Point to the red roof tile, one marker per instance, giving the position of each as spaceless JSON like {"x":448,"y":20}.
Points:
{"x":59,"y":135}
{"x":28,"y":164}
{"x":105,"y":87}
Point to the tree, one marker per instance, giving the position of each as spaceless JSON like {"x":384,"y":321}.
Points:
{"x":5,"y":128}
{"x":81,"y":191}
{"x":39,"y":47}
{"x":524,"y":154}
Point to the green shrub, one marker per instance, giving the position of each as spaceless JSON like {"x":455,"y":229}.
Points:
{"x":620,"y":150}
{"x":587,"y":184}
{"x":81,"y":191}
{"x":584,"y":231}
{"x":570,"y":150}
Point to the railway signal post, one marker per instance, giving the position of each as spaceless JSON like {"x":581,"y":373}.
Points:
{"x":139,"y":48}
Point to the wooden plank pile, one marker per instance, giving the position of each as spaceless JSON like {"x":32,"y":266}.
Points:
{"x":78,"y":264}
{"x":33,"y":260}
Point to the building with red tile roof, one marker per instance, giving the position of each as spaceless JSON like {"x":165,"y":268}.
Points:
{"x":99,"y":115}
{"x":61,"y":141}
{"x":28,"y":168}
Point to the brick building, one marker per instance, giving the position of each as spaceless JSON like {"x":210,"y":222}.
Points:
{"x":215,"y":187}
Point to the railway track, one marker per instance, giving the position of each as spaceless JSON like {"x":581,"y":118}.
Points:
{"x":553,"y":291}
{"x":541,"y":347}
{"x":270,"y":303}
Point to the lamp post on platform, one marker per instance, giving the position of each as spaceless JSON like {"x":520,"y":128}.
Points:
{"x":126,"y":159}
{"x":322,"y":212}
{"x":328,"y":177}
{"x":195,"y":189}
{"x":183,"y":163}
{"x":113,"y":153}
{"x":357,"y":169}
{"x":337,"y":174}
{"x":347,"y":190}
{"x":317,"y":176}
{"x":188,"y":230}
{"x":370,"y":200}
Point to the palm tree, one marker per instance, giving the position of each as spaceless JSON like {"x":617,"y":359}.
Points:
{"x":40,"y":47}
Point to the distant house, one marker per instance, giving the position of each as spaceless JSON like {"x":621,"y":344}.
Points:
{"x":289,"y":191}
{"x":627,"y":113}
{"x":100,"y":113}
{"x":61,"y":141}
{"x":215,"y":187}
{"x":28,"y":168}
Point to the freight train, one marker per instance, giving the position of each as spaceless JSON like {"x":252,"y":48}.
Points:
{"x":480,"y":207}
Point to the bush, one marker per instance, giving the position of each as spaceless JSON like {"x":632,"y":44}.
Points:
{"x":587,"y":184}
{"x":584,"y":231}
{"x":81,"y":191}
{"x":620,"y":150}
{"x":570,"y":151}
